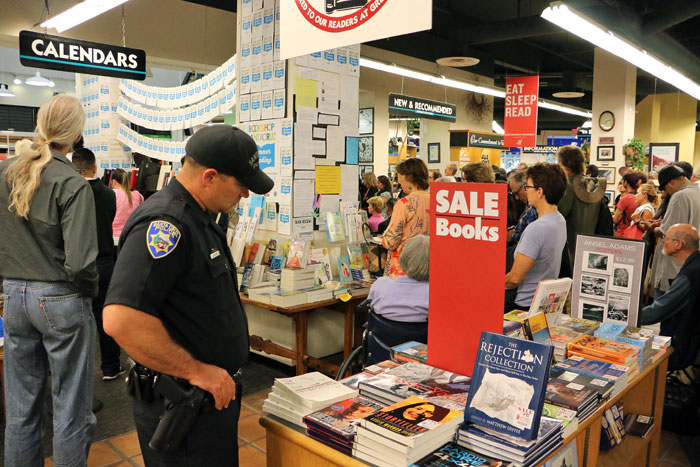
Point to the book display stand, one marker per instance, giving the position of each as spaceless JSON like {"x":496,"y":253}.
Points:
{"x":644,"y":394}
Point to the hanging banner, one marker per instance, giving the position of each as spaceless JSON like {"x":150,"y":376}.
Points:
{"x":467,"y":221}
{"x":406,"y":106}
{"x":521,"y":111}
{"x":309,"y":26}
{"x":64,"y":54}
{"x":485,"y":140}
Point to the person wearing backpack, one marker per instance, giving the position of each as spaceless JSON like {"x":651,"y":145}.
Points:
{"x":581,"y":205}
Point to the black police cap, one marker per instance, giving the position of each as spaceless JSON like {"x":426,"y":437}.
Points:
{"x":230,"y":151}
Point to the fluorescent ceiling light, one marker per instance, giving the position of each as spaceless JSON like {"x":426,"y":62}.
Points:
{"x":575,"y":23}
{"x":5,"y":91}
{"x":464,"y":85}
{"x":38,"y":80}
{"x":80,"y":13}
{"x":587,"y":124}
{"x":496,"y":128}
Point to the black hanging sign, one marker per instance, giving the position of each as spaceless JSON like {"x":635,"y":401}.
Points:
{"x":416,"y":107}
{"x":64,"y":54}
{"x":485,"y":140}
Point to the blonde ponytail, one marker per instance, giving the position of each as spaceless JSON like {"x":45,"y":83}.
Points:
{"x":59,"y":123}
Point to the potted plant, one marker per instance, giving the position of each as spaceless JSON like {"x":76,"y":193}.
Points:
{"x":586,"y":148}
{"x":634,"y":152}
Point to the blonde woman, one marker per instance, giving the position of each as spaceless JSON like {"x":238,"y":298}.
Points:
{"x":647,"y":201}
{"x":369,"y":181}
{"x":375,"y":208}
{"x":48,"y":245}
{"x":127,"y":200}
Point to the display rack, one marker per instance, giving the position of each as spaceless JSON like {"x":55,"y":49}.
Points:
{"x":289,"y":447}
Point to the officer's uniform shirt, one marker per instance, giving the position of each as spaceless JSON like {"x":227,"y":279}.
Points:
{"x":174,"y":263}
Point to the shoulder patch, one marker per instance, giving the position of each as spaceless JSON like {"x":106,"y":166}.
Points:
{"x":162,"y":238}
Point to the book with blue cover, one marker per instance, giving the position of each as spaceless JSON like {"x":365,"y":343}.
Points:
{"x":508,"y":385}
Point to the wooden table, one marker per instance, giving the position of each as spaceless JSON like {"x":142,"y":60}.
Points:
{"x":300,"y":316}
{"x":288,"y":446}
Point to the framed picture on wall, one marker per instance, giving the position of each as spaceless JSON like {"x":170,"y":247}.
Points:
{"x":366,"y":124}
{"x":366,"y":149}
{"x":610,"y":195}
{"x":607,"y":173}
{"x":662,"y":154}
{"x":433,"y":153}
{"x":606,"y":153}
{"x":366,"y":169}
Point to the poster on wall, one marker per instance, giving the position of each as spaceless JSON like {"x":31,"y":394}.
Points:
{"x":309,"y":26}
{"x":607,"y":279}
{"x":274,"y":140}
{"x":520,"y":113}
{"x":662,"y":154}
{"x":466,"y":221}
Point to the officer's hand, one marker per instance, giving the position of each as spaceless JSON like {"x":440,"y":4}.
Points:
{"x":217,"y":381}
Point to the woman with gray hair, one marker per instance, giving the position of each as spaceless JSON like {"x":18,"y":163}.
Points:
{"x":400,"y":306}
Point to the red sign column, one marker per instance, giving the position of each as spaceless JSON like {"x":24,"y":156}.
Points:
{"x":520,"y":123}
{"x":467,"y":270}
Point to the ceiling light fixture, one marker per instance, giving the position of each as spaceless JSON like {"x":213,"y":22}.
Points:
{"x":80,"y":13}
{"x":16,"y":80}
{"x":457,"y":62}
{"x":5,"y":91}
{"x":38,"y":80}
{"x":496,"y":128}
{"x":575,"y":23}
{"x":587,"y":124}
{"x":464,"y":85}
{"x":568,"y":94}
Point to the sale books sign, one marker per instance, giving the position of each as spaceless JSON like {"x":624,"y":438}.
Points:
{"x":308,"y":26}
{"x":520,"y":122}
{"x":467,"y":270}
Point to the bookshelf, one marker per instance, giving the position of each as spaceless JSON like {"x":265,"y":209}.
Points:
{"x":644,"y":394}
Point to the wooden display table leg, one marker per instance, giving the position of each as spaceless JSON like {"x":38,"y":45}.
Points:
{"x":301,"y":327}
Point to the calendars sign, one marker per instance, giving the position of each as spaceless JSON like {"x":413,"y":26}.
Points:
{"x":64,"y":54}
{"x":520,"y":118}
{"x":309,"y":26}
{"x":467,"y":221}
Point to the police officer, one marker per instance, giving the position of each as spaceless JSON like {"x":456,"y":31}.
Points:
{"x":173,"y":301}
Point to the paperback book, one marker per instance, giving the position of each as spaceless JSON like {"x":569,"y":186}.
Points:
{"x":508,"y":385}
{"x":343,"y":264}
{"x":550,"y":296}
{"x":410,"y":352}
{"x":604,"y":387}
{"x":536,"y":329}
{"x":454,"y":455}
{"x":339,"y":420}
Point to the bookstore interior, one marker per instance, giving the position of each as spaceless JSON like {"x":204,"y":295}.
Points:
{"x":411,"y":144}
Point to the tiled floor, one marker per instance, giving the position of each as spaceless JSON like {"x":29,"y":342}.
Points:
{"x":124,"y":450}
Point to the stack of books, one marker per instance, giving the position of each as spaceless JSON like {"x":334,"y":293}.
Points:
{"x":642,"y":338}
{"x":317,"y":294}
{"x":523,"y":453}
{"x":404,"y":432}
{"x":604,"y":387}
{"x":597,"y":369}
{"x":288,"y":299}
{"x":454,"y":455}
{"x":293,"y":398}
{"x":297,"y":279}
{"x":335,"y":425}
{"x":410,"y":352}
{"x":262,"y":292}
{"x":605,"y":350}
{"x":442,"y":387}
{"x":503,"y":417}
{"x":567,"y":329}
{"x":638,"y":425}
{"x":572,"y":396}
{"x":659,"y":346}
{"x":358,"y":287}
{"x":569,"y":420}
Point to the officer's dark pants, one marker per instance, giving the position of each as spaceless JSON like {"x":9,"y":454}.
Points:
{"x":212,"y":441}
{"x":109,"y":349}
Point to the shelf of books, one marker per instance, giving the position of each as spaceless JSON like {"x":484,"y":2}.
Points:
{"x":522,"y":407}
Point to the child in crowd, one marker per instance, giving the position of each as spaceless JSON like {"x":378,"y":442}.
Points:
{"x":389,"y":210}
{"x":374,"y":207}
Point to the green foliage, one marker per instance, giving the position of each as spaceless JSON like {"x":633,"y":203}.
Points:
{"x":634,"y":153}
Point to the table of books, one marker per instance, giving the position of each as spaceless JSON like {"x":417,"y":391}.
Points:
{"x":289,"y":446}
{"x":300,"y":316}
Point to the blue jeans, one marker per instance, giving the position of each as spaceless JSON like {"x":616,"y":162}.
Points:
{"x":48,"y":327}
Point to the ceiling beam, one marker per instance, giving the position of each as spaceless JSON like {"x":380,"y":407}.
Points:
{"x":670,"y":15}
{"x":531,"y":26}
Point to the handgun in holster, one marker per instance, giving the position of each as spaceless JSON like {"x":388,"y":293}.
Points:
{"x":183,"y":403}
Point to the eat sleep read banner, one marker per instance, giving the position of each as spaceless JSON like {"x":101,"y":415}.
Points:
{"x":467,"y":270}
{"x":520,"y":121}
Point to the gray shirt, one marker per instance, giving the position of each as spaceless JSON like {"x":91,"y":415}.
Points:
{"x":58,"y":243}
{"x":684,"y":208}
{"x":542,"y":241}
